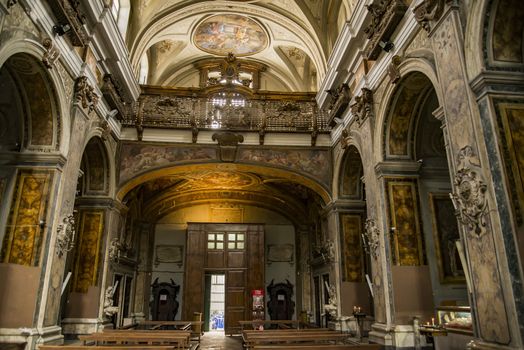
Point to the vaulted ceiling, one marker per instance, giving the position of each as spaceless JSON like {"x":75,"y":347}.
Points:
{"x":291,"y":38}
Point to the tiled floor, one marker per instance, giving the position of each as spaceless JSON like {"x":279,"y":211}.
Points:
{"x":218,"y":341}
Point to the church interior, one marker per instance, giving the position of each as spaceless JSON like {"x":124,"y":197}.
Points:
{"x":349,"y":166}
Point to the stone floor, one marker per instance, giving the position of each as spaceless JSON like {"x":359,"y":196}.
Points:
{"x":218,"y":341}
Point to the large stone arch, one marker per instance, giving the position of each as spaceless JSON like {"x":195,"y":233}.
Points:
{"x":314,"y":185}
{"x":58,"y":84}
{"x":389,"y":107}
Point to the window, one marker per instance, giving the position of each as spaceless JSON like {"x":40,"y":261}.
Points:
{"x":235,"y":241}
{"x":115,"y":9}
{"x":215,"y":241}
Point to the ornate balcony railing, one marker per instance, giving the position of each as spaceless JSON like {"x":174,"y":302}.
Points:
{"x":235,"y":109}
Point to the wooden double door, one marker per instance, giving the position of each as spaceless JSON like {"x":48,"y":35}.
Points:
{"x":237,"y":251}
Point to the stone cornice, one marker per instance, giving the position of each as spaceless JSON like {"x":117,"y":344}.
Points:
{"x":33,"y":159}
{"x":397,"y":168}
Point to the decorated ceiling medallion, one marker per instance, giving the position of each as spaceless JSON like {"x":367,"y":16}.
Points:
{"x":223,"y":34}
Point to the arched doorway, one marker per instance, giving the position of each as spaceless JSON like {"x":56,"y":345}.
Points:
{"x":85,"y":263}
{"x":30,"y":137}
{"x":422,"y":232}
{"x":253,"y":225}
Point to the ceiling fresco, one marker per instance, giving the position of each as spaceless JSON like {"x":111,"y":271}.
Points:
{"x":226,"y":33}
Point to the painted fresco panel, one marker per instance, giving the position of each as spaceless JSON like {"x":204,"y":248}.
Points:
{"x":351,"y":184}
{"x":315,"y":162}
{"x":230,"y":33}
{"x":445,"y":234}
{"x":507,"y":32}
{"x":352,"y":248}
{"x":139,"y":157}
{"x":88,"y":251}
{"x":513,"y":124}
{"x":96,"y":168}
{"x":23,"y":238}
{"x":403,"y":209}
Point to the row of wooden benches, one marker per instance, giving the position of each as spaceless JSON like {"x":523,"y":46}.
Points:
{"x":294,"y":339}
{"x":117,"y":339}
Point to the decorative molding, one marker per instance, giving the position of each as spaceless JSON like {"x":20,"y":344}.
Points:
{"x":85,"y":94}
{"x":385,"y":16}
{"x":469,"y":199}
{"x":345,"y":139}
{"x":363,"y":106}
{"x":340,"y":98}
{"x":429,"y":11}
{"x":112,"y":93}
{"x":65,"y":235}
{"x":371,"y":238}
{"x":393,"y":71}
{"x":67,"y":13}
{"x":51,"y":53}
{"x":228,"y":144}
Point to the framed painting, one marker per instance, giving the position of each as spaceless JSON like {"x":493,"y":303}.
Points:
{"x":445,"y":234}
{"x":404,"y":220}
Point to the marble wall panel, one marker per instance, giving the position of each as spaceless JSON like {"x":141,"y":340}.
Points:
{"x":24,"y":232}
{"x":445,"y":234}
{"x":88,"y":250}
{"x":404,"y":217}
{"x":352,"y":257}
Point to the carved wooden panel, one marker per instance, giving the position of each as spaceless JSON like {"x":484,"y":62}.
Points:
{"x":215,"y":259}
{"x":194,"y":274}
{"x":236,"y":259}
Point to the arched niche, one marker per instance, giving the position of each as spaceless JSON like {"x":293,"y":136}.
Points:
{"x":352,"y":171}
{"x":95,"y":168}
{"x":504,"y":36}
{"x":29,"y":117}
{"x":405,"y":104}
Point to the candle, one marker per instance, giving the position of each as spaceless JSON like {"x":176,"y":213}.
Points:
{"x":433,"y":321}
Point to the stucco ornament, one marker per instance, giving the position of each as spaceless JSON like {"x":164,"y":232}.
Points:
{"x":469,"y":198}
{"x":85,"y":94}
{"x":429,"y":11}
{"x":371,"y":237}
{"x":65,"y":235}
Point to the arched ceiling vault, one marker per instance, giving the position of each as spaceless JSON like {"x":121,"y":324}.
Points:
{"x":298,"y":27}
{"x":167,"y":190}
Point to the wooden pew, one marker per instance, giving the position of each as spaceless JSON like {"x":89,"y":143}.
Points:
{"x":320,"y":347}
{"x":287,"y":324}
{"x":108,"y":347}
{"x":284,"y":337}
{"x":194,"y":326}
{"x":180,"y":339}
